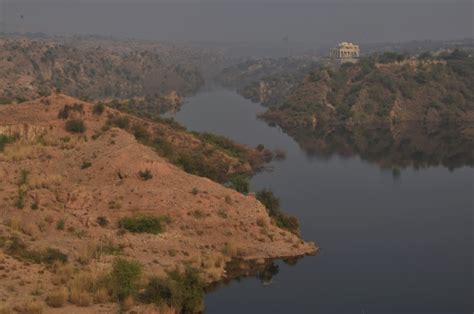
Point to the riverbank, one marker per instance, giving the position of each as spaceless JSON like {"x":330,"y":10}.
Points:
{"x":365,"y":219}
{"x":97,"y":217}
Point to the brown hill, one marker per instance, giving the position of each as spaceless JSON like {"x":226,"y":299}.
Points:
{"x":72,"y":202}
{"x":31,"y":68}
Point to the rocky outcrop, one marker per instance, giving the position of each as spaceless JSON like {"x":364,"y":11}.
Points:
{"x":23,"y":131}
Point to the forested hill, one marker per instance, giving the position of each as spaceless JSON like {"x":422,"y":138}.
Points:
{"x":102,"y":69}
{"x":382,"y":88}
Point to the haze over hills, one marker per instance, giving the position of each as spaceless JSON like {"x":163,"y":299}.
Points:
{"x":385,"y":88}
{"x":107,"y":205}
{"x":313,"y":21}
{"x":95,"y":69}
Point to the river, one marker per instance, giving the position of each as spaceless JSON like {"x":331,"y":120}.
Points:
{"x":389,"y":243}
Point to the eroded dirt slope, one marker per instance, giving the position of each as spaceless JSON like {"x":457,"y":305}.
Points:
{"x":68,"y":192}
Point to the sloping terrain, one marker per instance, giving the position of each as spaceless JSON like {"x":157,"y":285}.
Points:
{"x":382,"y":89}
{"x":81,"y":200}
{"x":31,"y":68}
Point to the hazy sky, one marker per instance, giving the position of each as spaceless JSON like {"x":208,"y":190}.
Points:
{"x":248,"y":20}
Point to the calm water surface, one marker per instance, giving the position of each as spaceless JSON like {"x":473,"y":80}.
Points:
{"x":389,"y":244}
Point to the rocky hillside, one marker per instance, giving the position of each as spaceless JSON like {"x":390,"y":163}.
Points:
{"x":384,"y":88}
{"x":95,"y":218}
{"x":266,"y":80}
{"x":30,"y":68}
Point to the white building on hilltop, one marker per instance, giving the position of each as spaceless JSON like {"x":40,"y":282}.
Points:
{"x":345,"y":52}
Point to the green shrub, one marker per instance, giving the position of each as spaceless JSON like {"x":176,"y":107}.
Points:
{"x":64,"y":113}
{"x":390,"y":57}
{"x":4,"y":140}
{"x":144,"y":224}
{"x":315,"y":76}
{"x":120,"y":121}
{"x":5,"y":100}
{"x":427,"y":55}
{"x":102,"y":221}
{"x":75,"y":126}
{"x":54,"y":255}
{"x":123,"y":279}
{"x":140,"y":132}
{"x":145,"y":175}
{"x":196,"y":163}
{"x":282,"y":220}
{"x":18,"y":249}
{"x":60,"y":224}
{"x":98,"y":109}
{"x":24,"y":174}
{"x":198,"y":214}
{"x":20,"y":201}
{"x":184,"y":291}
{"x":34,"y":205}
{"x":86,"y":164}
{"x":224,"y":143}
{"x":240,"y":183}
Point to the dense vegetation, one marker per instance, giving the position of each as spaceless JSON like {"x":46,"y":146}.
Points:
{"x":389,"y":87}
{"x":209,"y":158}
{"x":183,"y":291}
{"x":144,"y":224}
{"x":4,"y":140}
{"x":75,"y":126}
{"x":18,"y":249}
{"x":124,"y":277}
{"x":282,"y":220}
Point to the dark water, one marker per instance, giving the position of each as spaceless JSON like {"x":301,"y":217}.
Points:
{"x":392,"y":241}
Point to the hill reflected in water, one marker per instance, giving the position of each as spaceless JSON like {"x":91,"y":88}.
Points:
{"x":396,"y":147}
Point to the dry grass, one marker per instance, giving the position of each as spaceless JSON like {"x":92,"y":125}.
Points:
{"x":57,"y":298}
{"x":84,"y":281}
{"x":87,"y":288}
{"x":65,"y":143}
{"x":22,"y":151}
{"x":101,"y":295}
{"x":6,"y":310}
{"x":88,"y":252}
{"x":29,"y":228}
{"x":62,"y":274}
{"x":80,"y":298}
{"x":261,"y":222}
{"x":14,"y":223}
{"x":233,"y":250}
{"x":212,"y":260}
{"x":128,"y":303}
{"x":30,"y":307}
{"x":44,"y":181}
{"x":95,"y":249}
{"x":22,"y":224}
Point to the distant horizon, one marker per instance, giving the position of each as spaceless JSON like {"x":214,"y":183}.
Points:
{"x":118,"y":37}
{"x":246,"y":22}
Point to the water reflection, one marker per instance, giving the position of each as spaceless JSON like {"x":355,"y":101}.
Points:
{"x":388,"y":247}
{"x":396,"y":147}
{"x":263,"y":269}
